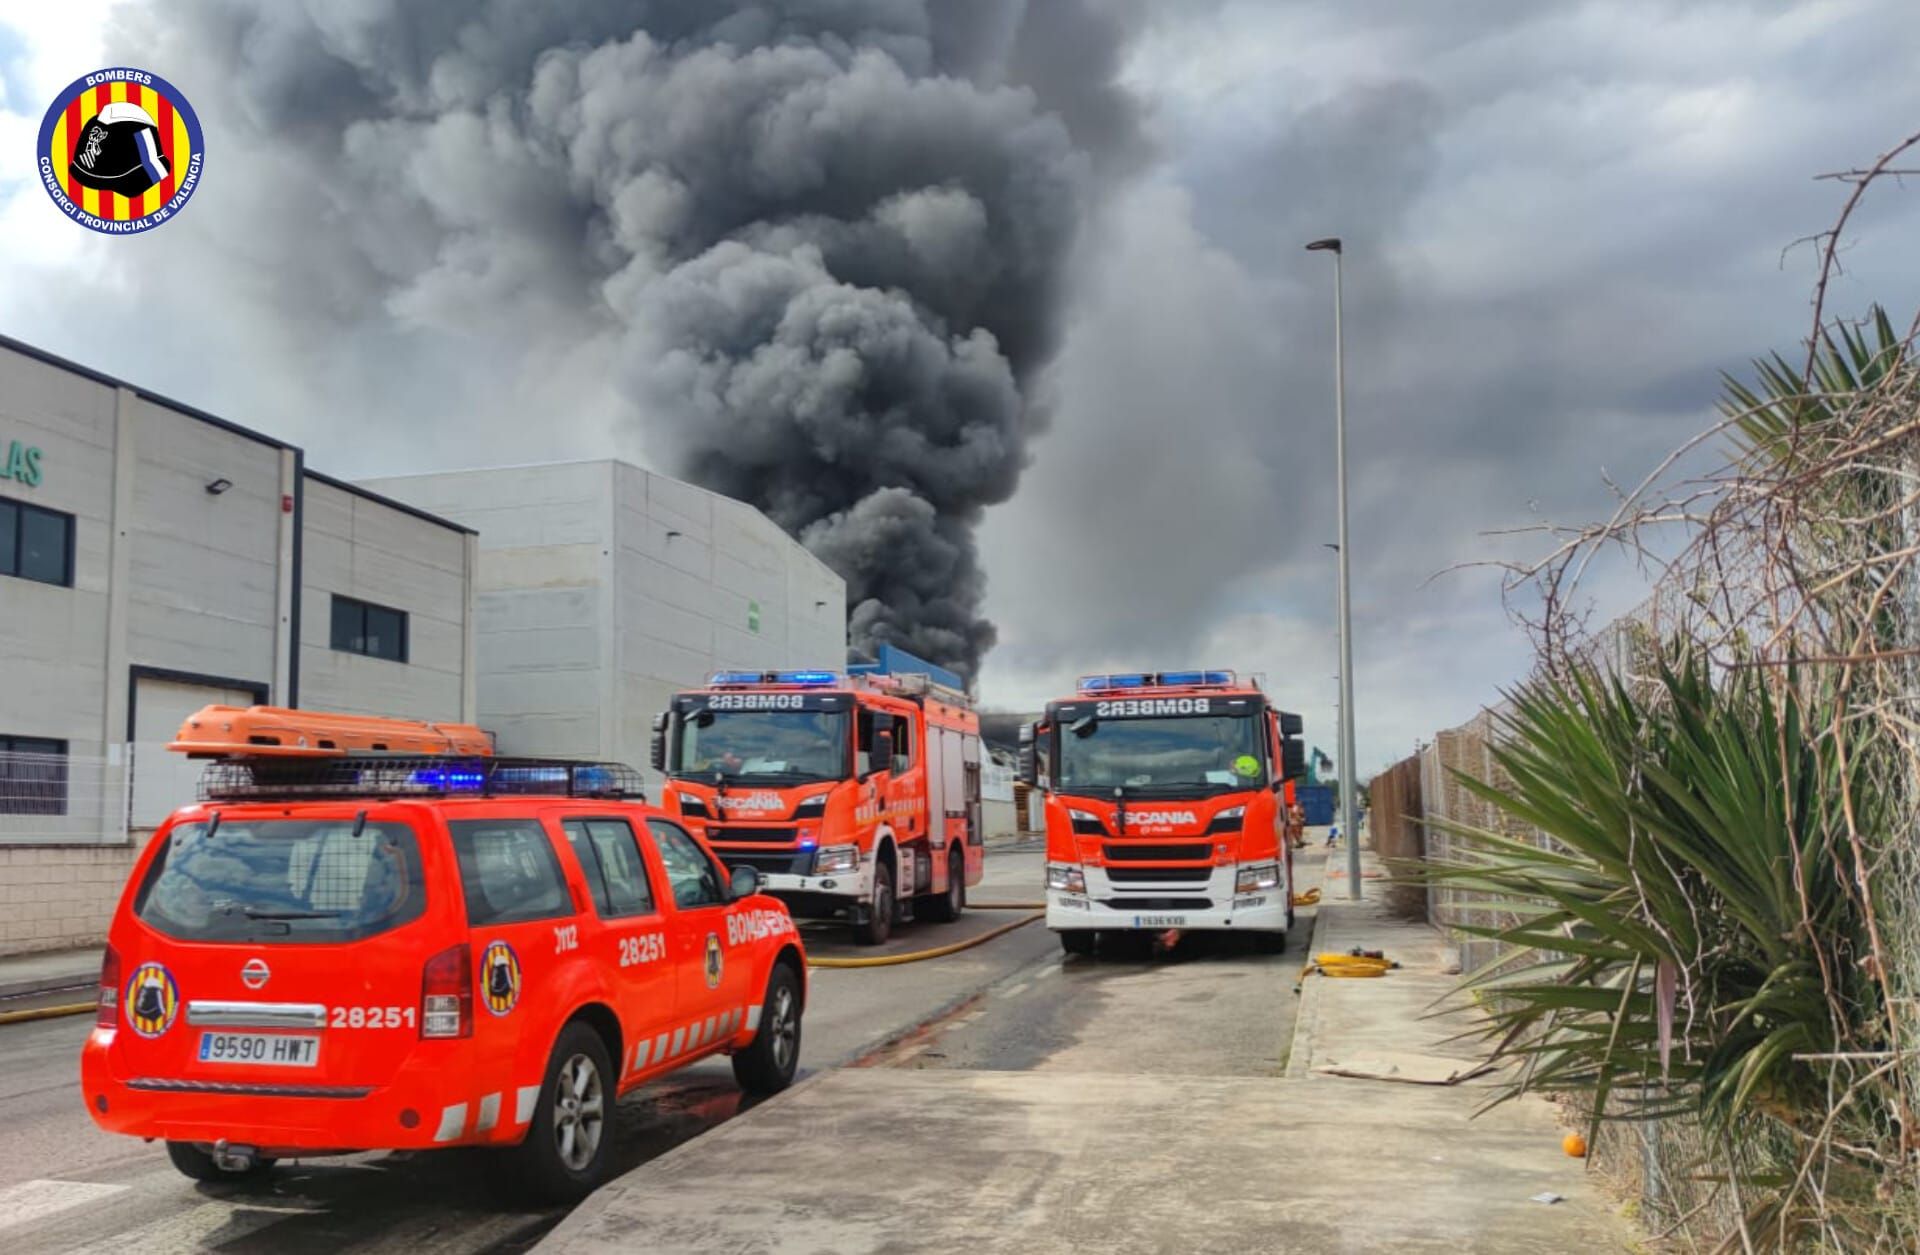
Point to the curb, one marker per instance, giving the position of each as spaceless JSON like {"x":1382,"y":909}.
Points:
{"x":1300,"y":1049}
{"x":29,"y":986}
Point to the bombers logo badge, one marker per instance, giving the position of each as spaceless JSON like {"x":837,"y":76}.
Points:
{"x":152,"y":1000}
{"x":120,"y":151}
{"x":500,"y":977}
{"x":716,"y":961}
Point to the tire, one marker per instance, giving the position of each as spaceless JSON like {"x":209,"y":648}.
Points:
{"x":198,"y":1164}
{"x":944,"y":908}
{"x":577,"y":1096}
{"x":768,"y":1064}
{"x":880,"y":908}
{"x":1078,"y":941}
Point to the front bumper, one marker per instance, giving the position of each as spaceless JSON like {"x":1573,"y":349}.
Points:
{"x":824,"y":897}
{"x":426,"y":1105}
{"x":1155,"y":905}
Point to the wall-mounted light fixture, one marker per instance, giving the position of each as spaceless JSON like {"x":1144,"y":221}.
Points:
{"x":218,"y":486}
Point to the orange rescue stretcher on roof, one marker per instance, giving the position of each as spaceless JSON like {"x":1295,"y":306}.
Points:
{"x":277,"y":732}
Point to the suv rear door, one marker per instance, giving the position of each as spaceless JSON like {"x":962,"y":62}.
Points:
{"x":634,"y":941}
{"x":522,"y":926}
{"x":280,"y":950}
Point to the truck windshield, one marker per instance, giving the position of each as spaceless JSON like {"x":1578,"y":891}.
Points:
{"x":283,"y":881}
{"x":1183,"y":754}
{"x":766,"y":746}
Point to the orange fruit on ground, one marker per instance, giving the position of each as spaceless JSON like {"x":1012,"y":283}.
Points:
{"x":1575,"y":1145}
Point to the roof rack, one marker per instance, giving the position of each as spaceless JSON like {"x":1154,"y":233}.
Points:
{"x":277,"y":732}
{"x":256,"y":778}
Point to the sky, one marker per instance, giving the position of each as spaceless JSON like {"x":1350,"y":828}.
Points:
{"x":1563,"y":221}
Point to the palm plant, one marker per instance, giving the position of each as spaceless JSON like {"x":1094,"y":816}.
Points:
{"x":1685,"y":940}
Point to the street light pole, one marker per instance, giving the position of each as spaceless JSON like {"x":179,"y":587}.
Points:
{"x":1348,"y":780}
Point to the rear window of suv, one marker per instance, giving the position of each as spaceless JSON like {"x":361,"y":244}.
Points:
{"x":283,"y":880}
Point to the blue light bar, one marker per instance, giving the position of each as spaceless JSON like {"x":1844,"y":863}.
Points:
{"x":1184,"y":679}
{"x":735,"y":677}
{"x":1101,"y":683}
{"x":1145,"y":679}
{"x":449,"y":779}
{"x":805,"y":677}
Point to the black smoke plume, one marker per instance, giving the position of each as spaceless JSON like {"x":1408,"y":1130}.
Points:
{"x":829,"y":238}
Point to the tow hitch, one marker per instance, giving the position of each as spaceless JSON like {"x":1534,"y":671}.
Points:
{"x":231,"y":1158}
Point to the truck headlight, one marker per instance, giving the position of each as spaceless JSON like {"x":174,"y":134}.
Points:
{"x":1254,"y":876}
{"x":834,"y":860}
{"x":1066,"y":877}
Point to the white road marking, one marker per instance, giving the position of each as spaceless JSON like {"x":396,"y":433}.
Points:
{"x":523,"y":1100}
{"x":1019,"y":989}
{"x":453,"y":1122}
{"x":30,"y":1200}
{"x":190,"y":1229}
{"x":489,"y":1114}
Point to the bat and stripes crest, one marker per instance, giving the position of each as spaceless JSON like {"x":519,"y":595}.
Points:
{"x":120,"y":150}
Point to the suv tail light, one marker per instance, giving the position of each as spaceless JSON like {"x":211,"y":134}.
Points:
{"x":446,"y":994}
{"x":107,"y":1013}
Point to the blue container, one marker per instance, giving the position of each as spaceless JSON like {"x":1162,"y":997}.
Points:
{"x":1317,"y":801}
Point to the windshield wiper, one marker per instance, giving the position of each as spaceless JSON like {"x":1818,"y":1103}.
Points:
{"x":250,"y":913}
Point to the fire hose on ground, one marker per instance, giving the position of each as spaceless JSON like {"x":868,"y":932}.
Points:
{"x":1354,"y":964}
{"x":891,"y":960}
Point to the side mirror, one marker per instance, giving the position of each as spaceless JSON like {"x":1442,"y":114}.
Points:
{"x":743,"y":882}
{"x":1027,"y":770}
{"x":659,"y":748}
{"x":882,"y":758}
{"x":1293,"y":759}
{"x":1291,"y":725}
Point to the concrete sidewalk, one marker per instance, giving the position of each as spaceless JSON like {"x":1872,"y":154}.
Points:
{"x":877,"y":1160}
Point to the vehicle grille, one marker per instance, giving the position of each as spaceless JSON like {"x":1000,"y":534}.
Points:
{"x":1157,"y":853}
{"x":1157,"y":904}
{"x":770,"y":863}
{"x":1157,"y":875}
{"x":170,"y":1086}
{"x":725,"y":833}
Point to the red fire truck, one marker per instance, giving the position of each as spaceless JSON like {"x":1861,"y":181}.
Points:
{"x":855,"y":796}
{"x":1165,"y":806}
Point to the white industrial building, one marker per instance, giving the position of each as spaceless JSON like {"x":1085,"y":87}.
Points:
{"x":154,"y":559}
{"x":603,"y":588}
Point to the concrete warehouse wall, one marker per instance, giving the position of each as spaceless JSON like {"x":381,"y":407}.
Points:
{"x":361,"y":549}
{"x":181,"y":596}
{"x":601,"y":588}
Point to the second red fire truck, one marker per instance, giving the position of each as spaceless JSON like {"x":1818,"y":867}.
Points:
{"x":855,"y":796}
{"x":1165,"y":806}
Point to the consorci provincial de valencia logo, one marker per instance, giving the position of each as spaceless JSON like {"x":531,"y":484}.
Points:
{"x":120,"y":151}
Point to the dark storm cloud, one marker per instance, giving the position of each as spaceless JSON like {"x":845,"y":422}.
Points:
{"x":825,"y":243}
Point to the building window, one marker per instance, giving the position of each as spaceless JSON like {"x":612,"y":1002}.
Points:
{"x":361,"y":627}
{"x":33,"y":776}
{"x":36,"y":544}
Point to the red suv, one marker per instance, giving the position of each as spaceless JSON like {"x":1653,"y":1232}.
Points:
{"x":371,"y":953}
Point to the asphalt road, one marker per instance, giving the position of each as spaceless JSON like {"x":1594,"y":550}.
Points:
{"x":1209,"y":1006}
{"x":65,"y":1186}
